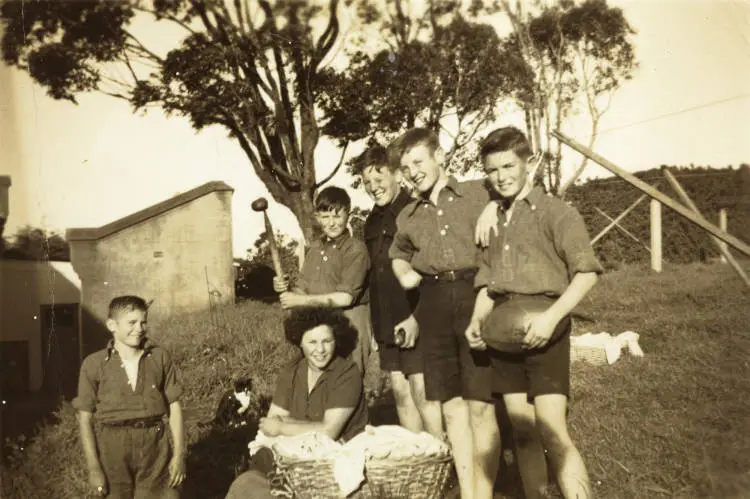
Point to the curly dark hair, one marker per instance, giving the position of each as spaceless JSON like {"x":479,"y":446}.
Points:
{"x":301,"y":320}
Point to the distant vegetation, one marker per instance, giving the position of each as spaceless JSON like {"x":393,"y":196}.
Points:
{"x":710,"y":189}
{"x":32,"y":243}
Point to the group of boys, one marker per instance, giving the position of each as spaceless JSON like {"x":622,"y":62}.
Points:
{"x":436,"y":259}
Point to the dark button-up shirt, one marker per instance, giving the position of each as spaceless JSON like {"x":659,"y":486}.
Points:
{"x":336,"y":265}
{"x":538,"y":251}
{"x":438,"y":238}
{"x":339,"y":386}
{"x":104,"y":389}
{"x":389,"y":303}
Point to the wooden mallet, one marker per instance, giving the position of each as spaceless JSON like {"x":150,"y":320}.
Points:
{"x":261,"y":204}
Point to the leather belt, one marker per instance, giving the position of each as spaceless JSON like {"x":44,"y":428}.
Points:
{"x":449,"y":276}
{"x":135,"y":423}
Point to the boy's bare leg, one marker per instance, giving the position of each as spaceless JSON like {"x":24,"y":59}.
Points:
{"x":408,"y":414}
{"x":486,"y":438}
{"x":430,"y":411}
{"x":564,"y":456}
{"x":457,"y":425}
{"x":529,"y":452}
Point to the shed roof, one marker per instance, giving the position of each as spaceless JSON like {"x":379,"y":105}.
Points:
{"x":94,"y":233}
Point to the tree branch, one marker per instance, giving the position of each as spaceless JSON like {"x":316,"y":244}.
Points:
{"x":336,"y":169}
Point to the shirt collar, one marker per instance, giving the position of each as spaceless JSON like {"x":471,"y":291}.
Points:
{"x":532,"y":198}
{"x":453,"y":185}
{"x":343,"y":237}
{"x":146,"y":346}
{"x":394,"y":207}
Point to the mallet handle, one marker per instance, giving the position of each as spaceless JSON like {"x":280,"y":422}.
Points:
{"x":274,"y":249}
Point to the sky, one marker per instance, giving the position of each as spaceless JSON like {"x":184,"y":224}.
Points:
{"x":87,"y":165}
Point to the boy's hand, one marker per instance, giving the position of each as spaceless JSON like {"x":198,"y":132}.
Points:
{"x":539,"y":331}
{"x":98,"y":482}
{"x":473,"y":335}
{"x":410,"y":280}
{"x":411,"y":331}
{"x":176,"y":471}
{"x":280,"y":283}
{"x":486,"y":225}
{"x":289,"y":300}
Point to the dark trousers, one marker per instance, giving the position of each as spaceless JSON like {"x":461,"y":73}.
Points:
{"x":136,"y":462}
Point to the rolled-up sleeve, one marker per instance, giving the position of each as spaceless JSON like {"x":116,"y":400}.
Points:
{"x":346,"y":389}
{"x":172,"y":384}
{"x":573,"y":243}
{"x":88,"y":384}
{"x":354,"y":267}
{"x":282,"y":395}
{"x":402,"y":247}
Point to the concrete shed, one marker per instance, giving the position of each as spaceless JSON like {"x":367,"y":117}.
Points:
{"x":177,"y":253}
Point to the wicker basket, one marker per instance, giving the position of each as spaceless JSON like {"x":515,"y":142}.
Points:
{"x":415,"y":477}
{"x":304,"y":479}
{"x":422,"y":477}
{"x":596,"y":356}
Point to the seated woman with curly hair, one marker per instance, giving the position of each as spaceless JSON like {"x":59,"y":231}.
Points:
{"x":322,"y":391}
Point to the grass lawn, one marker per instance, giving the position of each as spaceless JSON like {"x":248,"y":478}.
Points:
{"x":672,"y":424}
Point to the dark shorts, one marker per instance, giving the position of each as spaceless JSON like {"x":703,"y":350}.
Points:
{"x":136,"y":461}
{"x":451,"y":368}
{"x":541,"y":372}
{"x":406,"y":360}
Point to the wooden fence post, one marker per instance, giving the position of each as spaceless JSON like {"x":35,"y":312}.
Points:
{"x":723,"y":226}
{"x":655,"y":235}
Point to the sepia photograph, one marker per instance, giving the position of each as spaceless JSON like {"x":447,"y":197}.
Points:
{"x":374,"y":249}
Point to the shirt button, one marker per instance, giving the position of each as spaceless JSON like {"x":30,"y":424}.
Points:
{"x":506,"y":247}
{"x":325,"y":258}
{"x":442,"y":232}
{"x":440,"y":213}
{"x":322,"y":252}
{"x":505,"y":224}
{"x":533,"y":207}
{"x":450,"y":199}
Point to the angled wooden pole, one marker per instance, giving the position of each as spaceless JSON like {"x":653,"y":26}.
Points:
{"x":690,"y":204}
{"x":623,"y":229}
{"x":616,"y":220}
{"x":654,"y":193}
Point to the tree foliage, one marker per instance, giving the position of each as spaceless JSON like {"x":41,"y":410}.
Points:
{"x":251,"y":67}
{"x":32,"y":243}
{"x":578,"y":55}
{"x":435,"y":68}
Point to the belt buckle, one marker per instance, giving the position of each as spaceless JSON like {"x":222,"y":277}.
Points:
{"x":451,"y":275}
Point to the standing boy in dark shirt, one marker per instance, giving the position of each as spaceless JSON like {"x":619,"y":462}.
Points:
{"x":130,"y":386}
{"x":434,"y":250}
{"x":391,"y":306}
{"x":541,"y":250}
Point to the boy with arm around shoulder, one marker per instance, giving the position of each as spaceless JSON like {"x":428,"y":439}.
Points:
{"x":542,"y":249}
{"x":128,"y":387}
{"x":434,"y":249}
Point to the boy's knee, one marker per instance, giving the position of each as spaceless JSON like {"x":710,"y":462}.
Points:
{"x":481,"y":411}
{"x":400,"y":388}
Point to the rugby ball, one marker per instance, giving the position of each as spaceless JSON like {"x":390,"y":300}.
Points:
{"x":505,"y":328}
